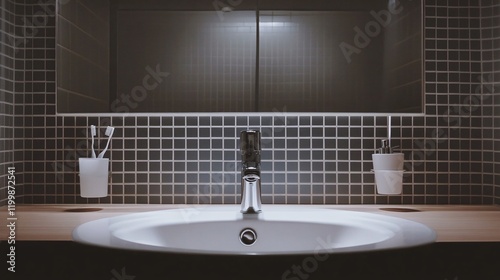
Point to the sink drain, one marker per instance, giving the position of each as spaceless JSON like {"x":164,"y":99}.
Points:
{"x":248,"y":237}
{"x":400,"y":209}
{"x":77,"y":210}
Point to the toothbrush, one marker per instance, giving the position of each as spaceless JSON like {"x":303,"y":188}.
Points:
{"x":109,"y":133}
{"x":93,"y":133}
{"x":389,"y":130}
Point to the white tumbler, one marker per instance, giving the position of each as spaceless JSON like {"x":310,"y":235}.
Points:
{"x":94,"y":177}
{"x":389,"y":171}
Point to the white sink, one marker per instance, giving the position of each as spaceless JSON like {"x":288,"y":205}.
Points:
{"x":278,"y":230}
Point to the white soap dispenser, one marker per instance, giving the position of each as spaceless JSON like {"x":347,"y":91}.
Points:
{"x":388,"y":168}
{"x":385,"y":159}
{"x":385,"y":149}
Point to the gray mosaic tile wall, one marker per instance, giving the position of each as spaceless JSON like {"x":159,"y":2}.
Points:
{"x":307,"y":159}
{"x":490,"y":16}
{"x":496,"y":43}
{"x":7,"y":73}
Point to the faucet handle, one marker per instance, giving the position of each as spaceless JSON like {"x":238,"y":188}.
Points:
{"x":249,"y":141}
{"x":250,"y":151}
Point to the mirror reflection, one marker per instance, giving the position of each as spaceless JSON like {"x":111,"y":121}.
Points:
{"x":239,"y":56}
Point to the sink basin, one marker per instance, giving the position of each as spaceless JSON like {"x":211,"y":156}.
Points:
{"x":278,"y":230}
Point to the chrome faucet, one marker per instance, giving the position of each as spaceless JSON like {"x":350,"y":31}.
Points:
{"x":250,"y":172}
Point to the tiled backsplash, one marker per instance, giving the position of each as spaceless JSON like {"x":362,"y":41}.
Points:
{"x":7,"y":76}
{"x":451,"y":150}
{"x":490,"y":16}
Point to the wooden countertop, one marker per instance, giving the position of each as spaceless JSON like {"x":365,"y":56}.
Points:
{"x":452,"y":223}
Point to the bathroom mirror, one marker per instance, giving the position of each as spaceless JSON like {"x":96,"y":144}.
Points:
{"x":122,"y":56}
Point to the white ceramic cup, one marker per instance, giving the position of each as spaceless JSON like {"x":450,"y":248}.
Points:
{"x":388,"y":161}
{"x":389,"y":181}
{"x":94,"y":177}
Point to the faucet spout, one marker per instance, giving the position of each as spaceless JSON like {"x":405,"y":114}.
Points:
{"x":250,"y":172}
{"x":250,"y":200}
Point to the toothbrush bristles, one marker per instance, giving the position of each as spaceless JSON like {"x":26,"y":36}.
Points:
{"x":109,"y":133}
